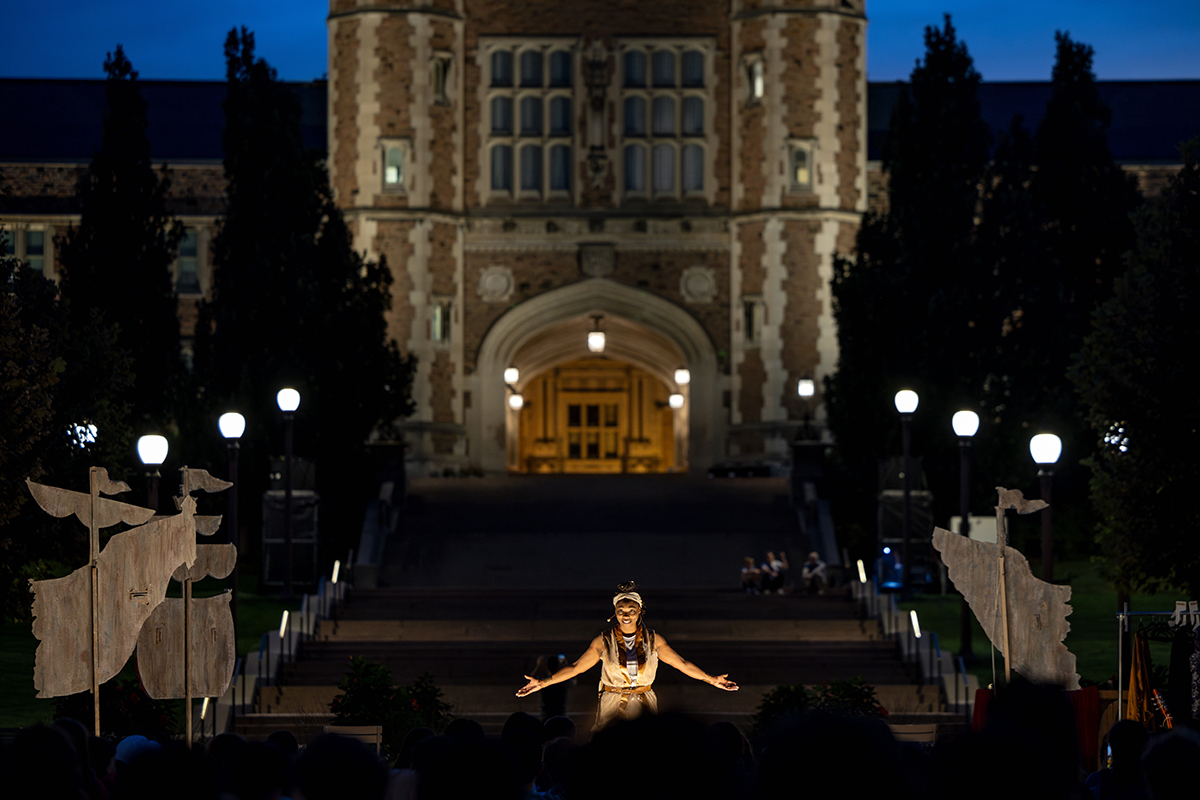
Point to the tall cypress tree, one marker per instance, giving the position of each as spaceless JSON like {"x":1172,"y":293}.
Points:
{"x":906,"y":304}
{"x":118,"y":261}
{"x":1084,"y":201}
{"x":292,"y":303}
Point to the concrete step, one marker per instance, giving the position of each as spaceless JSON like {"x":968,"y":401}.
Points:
{"x":305,"y":727}
{"x":472,"y":603}
{"x":565,"y":630}
{"x":464,"y":662}
{"x":477,"y":701}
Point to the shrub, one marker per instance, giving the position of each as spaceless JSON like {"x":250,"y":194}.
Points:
{"x":368,"y":696}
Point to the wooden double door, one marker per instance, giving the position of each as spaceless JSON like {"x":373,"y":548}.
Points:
{"x":596,"y":416}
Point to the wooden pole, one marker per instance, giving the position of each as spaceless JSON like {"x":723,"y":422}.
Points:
{"x":187,"y":656}
{"x":1001,"y":543}
{"x":94,"y":557}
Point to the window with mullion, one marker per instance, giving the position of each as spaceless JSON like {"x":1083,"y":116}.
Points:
{"x":531,"y":125}
{"x":663,"y":120}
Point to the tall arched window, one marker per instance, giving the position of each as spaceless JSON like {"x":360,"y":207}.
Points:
{"x":662,"y":169}
{"x":635,"y":116}
{"x":635,"y":168}
{"x":502,"y":168}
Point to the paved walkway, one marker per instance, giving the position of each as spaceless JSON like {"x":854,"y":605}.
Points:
{"x":589,"y":532}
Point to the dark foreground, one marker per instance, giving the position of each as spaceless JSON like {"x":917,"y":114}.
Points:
{"x":1026,"y":750}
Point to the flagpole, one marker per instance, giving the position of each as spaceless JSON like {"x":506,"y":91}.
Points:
{"x":1001,"y":543}
{"x":94,"y":544}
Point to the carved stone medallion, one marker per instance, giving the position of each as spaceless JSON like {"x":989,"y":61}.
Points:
{"x":698,"y":284}
{"x":495,"y":284}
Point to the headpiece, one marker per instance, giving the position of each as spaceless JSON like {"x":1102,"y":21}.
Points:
{"x":634,"y":596}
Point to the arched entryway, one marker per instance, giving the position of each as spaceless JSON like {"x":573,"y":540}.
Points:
{"x":645,"y":336}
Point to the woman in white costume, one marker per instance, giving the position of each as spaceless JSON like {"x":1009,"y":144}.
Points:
{"x":628,"y":654}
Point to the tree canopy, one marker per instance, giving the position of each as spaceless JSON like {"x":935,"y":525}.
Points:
{"x":975,"y":286}
{"x":118,"y":261}
{"x":292,"y":303}
{"x":1140,"y":392}
{"x":907,"y":304}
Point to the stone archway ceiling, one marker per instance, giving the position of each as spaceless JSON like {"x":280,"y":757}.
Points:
{"x":626,"y":340}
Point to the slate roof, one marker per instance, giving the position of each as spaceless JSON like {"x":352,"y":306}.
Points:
{"x":1150,"y":119}
{"x":60,"y":120}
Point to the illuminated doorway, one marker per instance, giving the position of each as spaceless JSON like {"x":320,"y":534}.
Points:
{"x":596,"y":416}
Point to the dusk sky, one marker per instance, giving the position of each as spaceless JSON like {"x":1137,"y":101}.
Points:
{"x":1010,"y":41}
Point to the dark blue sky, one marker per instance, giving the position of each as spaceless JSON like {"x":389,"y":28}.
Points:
{"x":1009,"y":40}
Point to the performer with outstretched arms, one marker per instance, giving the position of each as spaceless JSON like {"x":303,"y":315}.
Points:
{"x":628,"y":654}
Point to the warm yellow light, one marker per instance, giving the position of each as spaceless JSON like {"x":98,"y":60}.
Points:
{"x":595,"y":341}
{"x":337,"y":566}
{"x":683,"y":377}
{"x":203,"y":708}
{"x":862,"y":572}
{"x":806,"y":387}
{"x":916,"y":625}
{"x":512,"y":375}
{"x":516,"y":402}
{"x":675,"y":401}
{"x":283,"y":623}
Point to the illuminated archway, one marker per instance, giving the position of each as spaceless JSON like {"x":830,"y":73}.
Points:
{"x":642,"y":329}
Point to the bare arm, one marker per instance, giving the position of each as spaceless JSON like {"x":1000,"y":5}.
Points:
{"x":667,"y":655}
{"x":589,"y":659}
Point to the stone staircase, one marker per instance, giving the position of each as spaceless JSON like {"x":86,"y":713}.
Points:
{"x":478,"y":644}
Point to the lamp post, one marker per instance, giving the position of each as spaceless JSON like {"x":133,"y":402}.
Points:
{"x":906,"y":403}
{"x":965,"y":424}
{"x":806,"y":388}
{"x":288,"y":401}
{"x":1045,"y":449}
{"x":232,"y":425}
{"x":152,"y":450}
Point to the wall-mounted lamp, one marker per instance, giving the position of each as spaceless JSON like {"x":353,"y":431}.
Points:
{"x":675,"y":400}
{"x":807,"y":387}
{"x":683,"y":376}
{"x":516,"y":402}
{"x":512,"y":375}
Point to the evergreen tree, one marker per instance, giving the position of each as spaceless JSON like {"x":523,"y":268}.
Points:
{"x":56,"y":380}
{"x":1140,"y":394}
{"x":1054,"y":235}
{"x":118,"y":261}
{"x":907,"y":305}
{"x":292,"y":303}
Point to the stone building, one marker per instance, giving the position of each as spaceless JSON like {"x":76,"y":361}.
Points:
{"x":677,"y":177}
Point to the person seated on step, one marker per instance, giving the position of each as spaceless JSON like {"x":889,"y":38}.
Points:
{"x":812,"y":574}
{"x":750,"y":576}
{"x":628,"y":654}
{"x":771,"y":579}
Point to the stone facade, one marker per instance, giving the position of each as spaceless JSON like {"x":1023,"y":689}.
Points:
{"x":486,"y":242}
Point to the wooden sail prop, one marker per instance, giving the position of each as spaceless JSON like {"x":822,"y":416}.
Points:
{"x":212,"y":653}
{"x":1024,"y":617}
{"x":64,"y":503}
{"x":130,"y":579}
